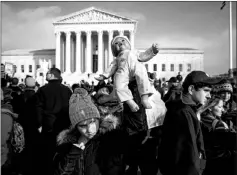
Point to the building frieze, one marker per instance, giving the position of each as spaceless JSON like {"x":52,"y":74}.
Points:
{"x":92,"y":15}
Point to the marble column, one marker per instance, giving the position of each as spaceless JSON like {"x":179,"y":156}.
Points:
{"x":132,"y":39}
{"x":78,"y":52}
{"x":121,"y":32}
{"x":58,"y":50}
{"x":50,"y":63}
{"x":100,"y":51}
{"x":110,"y":58}
{"x":88,"y":52}
{"x":68,"y":52}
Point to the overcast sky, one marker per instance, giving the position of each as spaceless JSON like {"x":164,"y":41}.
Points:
{"x":198,"y":25}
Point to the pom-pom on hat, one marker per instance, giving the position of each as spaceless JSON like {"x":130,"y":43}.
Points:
{"x":119,"y":36}
{"x":225,"y":87}
{"x":81,"y":107}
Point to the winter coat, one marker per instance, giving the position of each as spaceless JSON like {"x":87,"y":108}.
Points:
{"x":16,"y":99}
{"x":181,"y":143}
{"x":220,"y":145}
{"x":52,"y":105}
{"x":101,"y":156}
{"x":28,"y":116}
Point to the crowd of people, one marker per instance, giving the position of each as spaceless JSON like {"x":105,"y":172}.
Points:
{"x":131,"y":124}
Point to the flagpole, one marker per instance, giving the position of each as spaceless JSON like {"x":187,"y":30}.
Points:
{"x":231,"y":66}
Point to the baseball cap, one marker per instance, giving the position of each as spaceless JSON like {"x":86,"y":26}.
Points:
{"x":173,"y":80}
{"x":199,"y":77}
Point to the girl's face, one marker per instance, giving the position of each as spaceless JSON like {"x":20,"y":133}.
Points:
{"x":88,"y":128}
{"x":218,"y":109}
{"x":226,"y":96}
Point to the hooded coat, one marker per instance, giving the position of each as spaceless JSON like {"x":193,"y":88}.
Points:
{"x":102,"y":154}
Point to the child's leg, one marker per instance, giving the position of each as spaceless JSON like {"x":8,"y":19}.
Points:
{"x":143,"y":83}
{"x":132,"y":105}
{"x":145,"y":102}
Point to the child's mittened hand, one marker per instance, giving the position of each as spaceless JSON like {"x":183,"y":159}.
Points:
{"x":155,"y":48}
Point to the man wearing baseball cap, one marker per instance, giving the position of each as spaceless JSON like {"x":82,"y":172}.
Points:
{"x":181,"y":150}
{"x":173,"y":89}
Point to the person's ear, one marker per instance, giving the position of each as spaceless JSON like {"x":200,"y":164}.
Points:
{"x":191,"y":89}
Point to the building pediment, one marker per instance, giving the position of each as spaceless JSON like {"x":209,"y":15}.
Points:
{"x":91,"y":15}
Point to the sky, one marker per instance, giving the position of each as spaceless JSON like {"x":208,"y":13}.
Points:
{"x":198,"y":25}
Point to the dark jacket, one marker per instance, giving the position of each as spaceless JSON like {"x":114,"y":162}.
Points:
{"x":220,"y":146}
{"x":28,"y":115}
{"x":53,"y":106}
{"x":134,"y":122}
{"x":101,"y":154}
{"x":16,"y":102}
{"x":181,"y":142}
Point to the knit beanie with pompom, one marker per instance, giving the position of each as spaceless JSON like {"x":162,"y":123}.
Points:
{"x":81,"y":107}
{"x":224,"y":87}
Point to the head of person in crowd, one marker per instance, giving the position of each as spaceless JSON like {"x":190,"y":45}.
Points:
{"x":156,"y":83}
{"x":119,"y":44}
{"x":84,"y":84}
{"x":84,"y":115}
{"x":217,"y":107}
{"x":53,"y":74}
{"x":172,"y":82}
{"x":22,"y":86}
{"x":15,"y":81}
{"x":224,"y":89}
{"x":179,"y":77}
{"x":212,"y":115}
{"x":198,"y":85}
{"x":100,"y":84}
{"x":213,"y":106}
{"x":30,"y":82}
{"x":74,"y":86}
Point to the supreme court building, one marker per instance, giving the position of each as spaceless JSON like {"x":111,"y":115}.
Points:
{"x":83,"y":48}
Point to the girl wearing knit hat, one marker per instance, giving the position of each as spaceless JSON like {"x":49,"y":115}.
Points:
{"x":81,"y":148}
{"x":126,"y":67}
{"x":225,"y":90}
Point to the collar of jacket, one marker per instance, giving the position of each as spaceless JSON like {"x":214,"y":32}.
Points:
{"x":107,"y":123}
{"x":54,"y":81}
{"x":186,"y":99}
{"x":30,"y":89}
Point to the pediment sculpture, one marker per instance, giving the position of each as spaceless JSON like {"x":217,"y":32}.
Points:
{"x":92,"y":16}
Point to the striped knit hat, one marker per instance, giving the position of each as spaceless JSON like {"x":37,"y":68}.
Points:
{"x":81,"y":107}
{"x":225,"y":87}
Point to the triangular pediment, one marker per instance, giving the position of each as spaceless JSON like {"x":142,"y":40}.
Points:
{"x":92,"y":15}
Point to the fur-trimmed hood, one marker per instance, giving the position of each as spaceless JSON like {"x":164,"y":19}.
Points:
{"x":106,"y":124}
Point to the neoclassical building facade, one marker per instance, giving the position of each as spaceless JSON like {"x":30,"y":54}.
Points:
{"x":83,"y":48}
{"x":83,"y":39}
